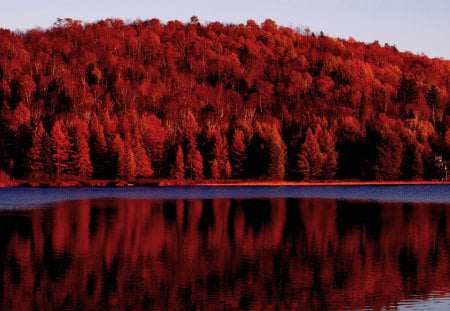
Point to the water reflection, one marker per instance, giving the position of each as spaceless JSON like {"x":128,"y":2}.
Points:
{"x":223,"y":254}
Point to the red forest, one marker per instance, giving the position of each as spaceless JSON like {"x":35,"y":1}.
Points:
{"x":146,"y":100}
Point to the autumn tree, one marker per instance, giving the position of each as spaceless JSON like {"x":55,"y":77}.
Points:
{"x":218,"y":91}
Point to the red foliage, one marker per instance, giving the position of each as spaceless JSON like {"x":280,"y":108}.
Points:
{"x":158,"y":86}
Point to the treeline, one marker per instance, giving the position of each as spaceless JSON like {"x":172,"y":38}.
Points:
{"x":111,"y":100}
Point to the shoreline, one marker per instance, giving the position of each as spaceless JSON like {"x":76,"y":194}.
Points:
{"x":208,"y":183}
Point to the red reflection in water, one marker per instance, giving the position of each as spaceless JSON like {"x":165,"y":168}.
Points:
{"x":216,"y":254}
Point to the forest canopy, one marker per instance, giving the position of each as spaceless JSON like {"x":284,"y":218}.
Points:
{"x":152,"y":100}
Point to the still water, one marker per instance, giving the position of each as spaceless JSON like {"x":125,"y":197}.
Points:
{"x":171,"y":249}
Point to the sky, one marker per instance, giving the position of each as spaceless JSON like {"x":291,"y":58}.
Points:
{"x":419,"y":26}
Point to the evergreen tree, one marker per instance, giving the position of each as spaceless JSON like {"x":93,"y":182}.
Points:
{"x":215,"y":172}
{"x":407,"y":90}
{"x":330,"y":156}
{"x":143,"y":163}
{"x":98,"y":150}
{"x":37,"y":153}
{"x":130,"y":165}
{"x":61,"y":148}
{"x":432,"y":98}
{"x":120,"y":157}
{"x":310,"y":159}
{"x":196,"y":165}
{"x":303,"y":166}
{"x":228,"y":170}
{"x":238,"y":153}
{"x":277,"y":156}
{"x":389,"y":155}
{"x":178,"y":169}
{"x":82,"y":160}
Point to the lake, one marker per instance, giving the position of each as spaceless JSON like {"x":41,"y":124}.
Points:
{"x":232,"y":248}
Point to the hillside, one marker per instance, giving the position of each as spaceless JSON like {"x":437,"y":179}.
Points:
{"x":112,"y":100}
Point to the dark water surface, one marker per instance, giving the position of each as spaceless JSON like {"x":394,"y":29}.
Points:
{"x":201,"y":248}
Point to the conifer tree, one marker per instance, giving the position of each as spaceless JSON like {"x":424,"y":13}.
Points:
{"x":310,"y":159}
{"x":277,"y":156}
{"x":61,"y":146}
{"x":303,"y":166}
{"x":417,"y":169}
{"x":215,"y":172}
{"x":82,"y":160}
{"x":238,"y":153}
{"x":390,"y":154}
{"x":130,"y":165}
{"x":37,"y":153}
{"x":120,"y":157}
{"x":228,"y":170}
{"x":143,"y":163}
{"x":196,"y":165}
{"x":432,"y":98}
{"x":329,"y":153}
{"x":153,"y":137}
{"x":178,"y":169}
{"x":98,"y":150}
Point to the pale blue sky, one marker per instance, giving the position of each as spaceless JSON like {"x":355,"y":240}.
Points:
{"x":420,"y":26}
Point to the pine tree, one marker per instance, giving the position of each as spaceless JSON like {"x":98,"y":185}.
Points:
{"x":153,"y":137}
{"x":61,"y":146}
{"x":432,"y":97}
{"x":130,"y":165}
{"x":238,"y":153}
{"x":143,"y":163}
{"x":407,"y":90}
{"x":330,"y":161}
{"x":178,"y":170}
{"x":196,"y":165}
{"x":389,"y":155}
{"x":303,"y":166}
{"x":98,"y":150}
{"x":120,"y":157}
{"x":82,"y":160}
{"x":37,"y":153}
{"x":417,"y":169}
{"x":310,"y":158}
{"x":215,"y":172}
{"x":228,"y":170}
{"x":277,"y":156}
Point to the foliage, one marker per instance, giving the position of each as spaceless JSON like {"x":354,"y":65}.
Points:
{"x":110,"y":100}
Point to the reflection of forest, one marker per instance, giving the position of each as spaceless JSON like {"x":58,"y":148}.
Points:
{"x":308,"y":254}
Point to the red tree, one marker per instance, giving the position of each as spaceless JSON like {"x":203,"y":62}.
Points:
{"x":61,"y":148}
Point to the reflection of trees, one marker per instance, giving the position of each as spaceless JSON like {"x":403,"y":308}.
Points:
{"x":313,"y":254}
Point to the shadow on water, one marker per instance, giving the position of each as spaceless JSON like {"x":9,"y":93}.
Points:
{"x":235,"y":254}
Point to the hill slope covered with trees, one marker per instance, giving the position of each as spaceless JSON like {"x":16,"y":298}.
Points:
{"x":111,"y":100}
